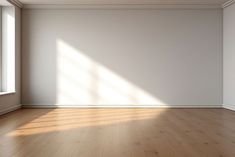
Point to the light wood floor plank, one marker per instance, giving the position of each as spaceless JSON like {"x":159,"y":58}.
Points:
{"x":118,"y":133}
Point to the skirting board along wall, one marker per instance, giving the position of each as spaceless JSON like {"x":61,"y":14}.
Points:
{"x":10,"y":109}
{"x":229,"y":107}
{"x":165,"y":56}
{"x":121,"y":106}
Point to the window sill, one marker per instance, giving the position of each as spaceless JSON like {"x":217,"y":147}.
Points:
{"x":6,"y":93}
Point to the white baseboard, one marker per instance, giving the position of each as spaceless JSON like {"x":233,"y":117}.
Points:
{"x":229,"y":107}
{"x":9,"y":109}
{"x":122,"y":106}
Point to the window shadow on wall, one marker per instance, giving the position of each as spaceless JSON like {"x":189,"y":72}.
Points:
{"x":83,"y":81}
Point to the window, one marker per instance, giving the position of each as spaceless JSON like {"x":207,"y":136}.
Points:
{"x":0,"y":48}
{"x":7,"y":47}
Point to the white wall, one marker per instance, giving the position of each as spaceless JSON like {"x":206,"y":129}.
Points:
{"x":229,"y":57}
{"x":122,"y":57}
{"x":11,"y":101}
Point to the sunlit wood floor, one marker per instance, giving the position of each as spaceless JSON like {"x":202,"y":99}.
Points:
{"x":118,"y":133}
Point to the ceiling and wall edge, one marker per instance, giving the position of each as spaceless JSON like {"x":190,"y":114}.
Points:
{"x":16,"y":3}
{"x":228,"y":3}
{"x":121,"y":6}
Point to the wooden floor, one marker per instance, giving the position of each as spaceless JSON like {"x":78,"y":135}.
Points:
{"x":118,"y":133}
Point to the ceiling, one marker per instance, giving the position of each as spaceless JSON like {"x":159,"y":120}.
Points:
{"x":100,"y":2}
{"x":4,"y":3}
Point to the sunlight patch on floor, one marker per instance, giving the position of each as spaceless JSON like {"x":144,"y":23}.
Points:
{"x":60,"y":121}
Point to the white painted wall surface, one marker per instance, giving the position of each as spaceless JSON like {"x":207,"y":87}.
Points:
{"x":122,"y":57}
{"x":229,"y":57}
{"x":10,"y":102}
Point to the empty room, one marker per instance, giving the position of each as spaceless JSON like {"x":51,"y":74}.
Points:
{"x":117,"y":78}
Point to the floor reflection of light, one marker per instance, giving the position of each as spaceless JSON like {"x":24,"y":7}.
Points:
{"x":60,"y":121}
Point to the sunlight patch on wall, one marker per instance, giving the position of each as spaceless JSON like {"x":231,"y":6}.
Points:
{"x":83,"y":81}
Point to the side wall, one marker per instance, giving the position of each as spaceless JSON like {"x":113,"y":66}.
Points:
{"x":229,"y":57}
{"x":9,"y":102}
{"x":122,"y":57}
